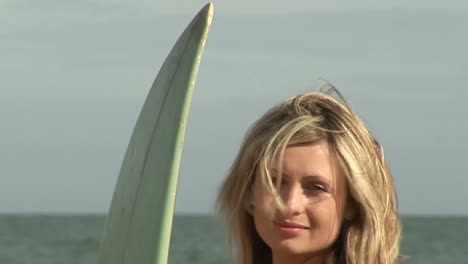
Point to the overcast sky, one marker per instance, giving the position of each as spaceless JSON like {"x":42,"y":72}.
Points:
{"x":74,"y":75}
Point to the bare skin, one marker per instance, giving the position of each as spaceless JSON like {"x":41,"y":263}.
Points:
{"x":313,"y":189}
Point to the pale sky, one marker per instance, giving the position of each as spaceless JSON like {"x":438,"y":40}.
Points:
{"x":74,"y":75}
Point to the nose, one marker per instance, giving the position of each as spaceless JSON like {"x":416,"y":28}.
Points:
{"x":293,"y":200}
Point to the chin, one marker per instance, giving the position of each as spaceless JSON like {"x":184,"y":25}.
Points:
{"x":291,"y":247}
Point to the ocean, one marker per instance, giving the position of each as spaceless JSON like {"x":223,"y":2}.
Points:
{"x":74,"y":239}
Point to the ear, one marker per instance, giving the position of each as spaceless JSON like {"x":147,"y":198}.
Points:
{"x":249,"y":206}
{"x":349,"y":213}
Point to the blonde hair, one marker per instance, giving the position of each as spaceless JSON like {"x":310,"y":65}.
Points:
{"x":372,"y":235}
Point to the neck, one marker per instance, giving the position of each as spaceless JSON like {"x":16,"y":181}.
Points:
{"x":298,"y":259}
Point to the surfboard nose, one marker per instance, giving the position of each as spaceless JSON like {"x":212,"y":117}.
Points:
{"x":207,"y":10}
{"x":203,"y":18}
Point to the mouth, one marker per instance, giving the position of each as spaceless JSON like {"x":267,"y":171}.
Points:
{"x":290,"y":225}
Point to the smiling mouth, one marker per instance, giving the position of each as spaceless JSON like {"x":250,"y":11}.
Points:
{"x":291,"y":226}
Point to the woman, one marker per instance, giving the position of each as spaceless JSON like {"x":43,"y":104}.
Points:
{"x":310,"y":185}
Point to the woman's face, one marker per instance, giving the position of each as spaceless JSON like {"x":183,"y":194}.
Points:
{"x":313,"y":190}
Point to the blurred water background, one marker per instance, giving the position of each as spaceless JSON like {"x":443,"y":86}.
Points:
{"x":196,"y":239}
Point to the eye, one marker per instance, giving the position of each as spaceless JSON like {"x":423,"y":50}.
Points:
{"x":274,"y":180}
{"x":316,"y":188}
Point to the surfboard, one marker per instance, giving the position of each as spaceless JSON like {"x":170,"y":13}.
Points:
{"x":139,"y":222}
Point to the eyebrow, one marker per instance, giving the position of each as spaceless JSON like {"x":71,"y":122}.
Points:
{"x":307,"y":177}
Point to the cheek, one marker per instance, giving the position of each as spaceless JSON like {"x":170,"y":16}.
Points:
{"x":262,"y":205}
{"x":262,"y":199}
{"x":263,"y":213}
{"x":325,"y":218}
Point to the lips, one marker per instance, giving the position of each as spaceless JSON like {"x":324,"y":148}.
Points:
{"x":292,"y":225}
